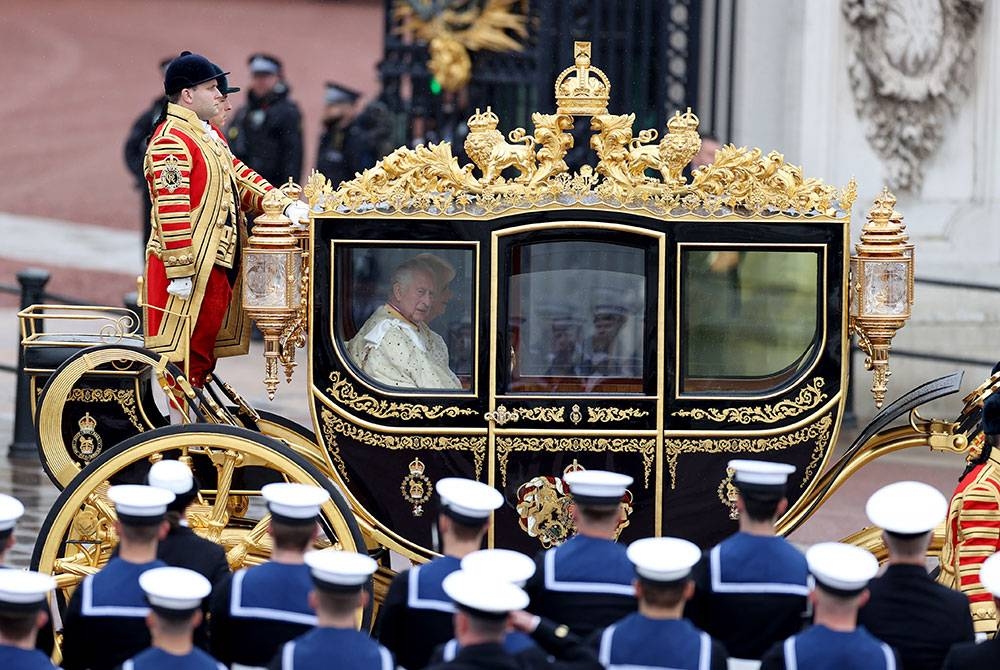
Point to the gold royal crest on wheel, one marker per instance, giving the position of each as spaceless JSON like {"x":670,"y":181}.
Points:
{"x":87,"y":444}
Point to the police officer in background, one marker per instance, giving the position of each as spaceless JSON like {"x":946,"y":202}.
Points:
{"x":105,"y":622}
{"x":23,"y":601}
{"x":338,"y":594}
{"x":486,"y":608}
{"x":835,"y":641}
{"x":750,"y":590}
{"x":657,"y":636}
{"x":258,"y":609}
{"x":417,"y":614}
{"x":267,"y":131}
{"x":175,"y":597}
{"x":969,"y":655}
{"x":920,"y":618}
{"x":586,"y":582}
{"x":331,"y":157}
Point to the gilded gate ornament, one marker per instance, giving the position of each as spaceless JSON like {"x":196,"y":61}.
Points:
{"x":633,"y":170}
{"x":452,"y":28}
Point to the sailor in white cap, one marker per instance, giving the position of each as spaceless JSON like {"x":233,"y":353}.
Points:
{"x":417,"y":614}
{"x":509,"y":566}
{"x":258,"y":609}
{"x":750,"y":589}
{"x":486,"y":607}
{"x":657,"y":636}
{"x":907,"y":609}
{"x":339,"y":580}
{"x":175,"y":597}
{"x":23,"y":606}
{"x":969,"y":655}
{"x":835,"y":641}
{"x":586,"y":583}
{"x":182,"y":547}
{"x":105,"y":621}
{"x":11,"y":510}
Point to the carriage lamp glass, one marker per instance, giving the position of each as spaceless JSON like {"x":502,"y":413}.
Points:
{"x":881,"y":293}
{"x":272,"y":270}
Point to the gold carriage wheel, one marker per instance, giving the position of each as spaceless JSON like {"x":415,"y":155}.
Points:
{"x":78,"y":535}
{"x":56,"y":459}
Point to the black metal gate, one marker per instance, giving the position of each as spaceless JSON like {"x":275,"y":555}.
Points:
{"x":661,"y":56}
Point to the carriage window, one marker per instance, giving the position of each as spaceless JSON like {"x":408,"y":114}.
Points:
{"x":576,"y":317}
{"x":749,"y":319}
{"x":407,"y":315}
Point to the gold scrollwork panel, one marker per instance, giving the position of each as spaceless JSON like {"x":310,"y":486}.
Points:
{"x":124,"y":397}
{"x":550,"y":414}
{"x":645,"y":447}
{"x":333,"y":426}
{"x":611,"y":414}
{"x":809,"y":397}
{"x":818,"y":432}
{"x":342,"y":391}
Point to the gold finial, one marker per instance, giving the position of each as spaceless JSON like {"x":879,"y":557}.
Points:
{"x":679,"y":123}
{"x":582,"y":90}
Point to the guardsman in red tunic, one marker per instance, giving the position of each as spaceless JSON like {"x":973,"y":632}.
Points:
{"x":972,"y":533}
{"x":201,"y":197}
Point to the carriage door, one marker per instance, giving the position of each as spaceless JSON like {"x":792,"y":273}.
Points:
{"x":576,"y":370}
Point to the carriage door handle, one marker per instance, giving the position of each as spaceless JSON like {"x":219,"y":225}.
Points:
{"x":501,"y":415}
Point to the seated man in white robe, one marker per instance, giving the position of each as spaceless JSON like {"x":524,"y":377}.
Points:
{"x":395,"y":346}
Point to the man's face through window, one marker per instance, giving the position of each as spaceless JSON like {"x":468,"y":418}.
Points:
{"x":414,"y":299}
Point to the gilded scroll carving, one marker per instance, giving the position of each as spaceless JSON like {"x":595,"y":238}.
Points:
{"x":646,"y":447}
{"x":342,"y":391}
{"x":334,"y":425}
{"x":610,"y":414}
{"x":809,"y":397}
{"x":124,"y":397}
{"x":819,"y":432}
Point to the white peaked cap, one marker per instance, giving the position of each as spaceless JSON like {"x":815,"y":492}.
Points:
{"x":340,"y":568}
{"x":177,"y":589}
{"x":294,"y":501}
{"x":489,"y":595}
{"x":989,"y":575}
{"x":663,"y":559}
{"x":137,"y":500}
{"x":841,"y":566}
{"x":24,"y":587}
{"x":510,"y":566}
{"x":468,"y":498}
{"x":761,"y":473}
{"x":11,"y":510}
{"x":173,"y":476}
{"x":598,"y":487}
{"x":907,"y":508}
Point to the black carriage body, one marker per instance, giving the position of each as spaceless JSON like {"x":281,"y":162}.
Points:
{"x":702,"y":305}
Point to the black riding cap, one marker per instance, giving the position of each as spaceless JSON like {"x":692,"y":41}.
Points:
{"x":187,"y":71}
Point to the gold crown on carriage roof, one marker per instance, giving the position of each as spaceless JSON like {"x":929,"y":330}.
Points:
{"x":582,"y":90}
{"x":481,"y":121}
{"x":679,"y":123}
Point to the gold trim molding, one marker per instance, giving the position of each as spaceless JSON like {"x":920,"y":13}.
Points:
{"x":342,"y":391}
{"x":124,"y":397}
{"x":646,"y":447}
{"x":429,"y":179}
{"x":333,"y":425}
{"x":820,"y":431}
{"x":610,"y":414}
{"x":809,"y":397}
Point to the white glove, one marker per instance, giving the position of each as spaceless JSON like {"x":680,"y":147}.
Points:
{"x":180,"y":287}
{"x":297,"y":211}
